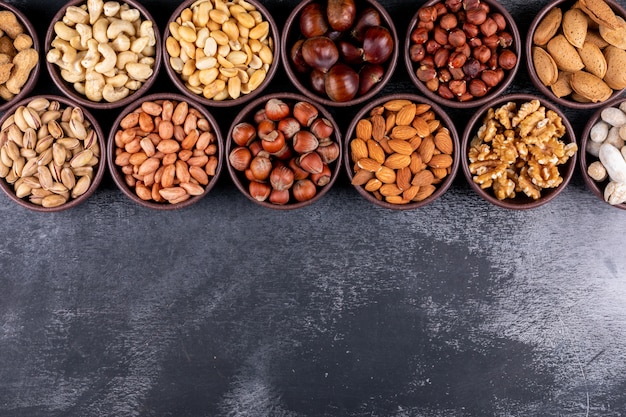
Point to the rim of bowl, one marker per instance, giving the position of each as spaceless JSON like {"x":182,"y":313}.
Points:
{"x":68,"y":90}
{"x":591,"y":184}
{"x":506,"y":82}
{"x":521,"y":202}
{"x":117,"y":175}
{"x":33,"y":77}
{"x":247,"y":113}
{"x":447,"y":122}
{"x":295,"y":78}
{"x":617,"y":8}
{"x":99,"y":174}
{"x":244,"y":98}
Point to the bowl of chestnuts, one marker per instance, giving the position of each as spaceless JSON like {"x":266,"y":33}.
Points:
{"x":402,"y":152}
{"x":342,"y":52}
{"x":519,"y":151}
{"x":576,"y":52}
{"x":284,"y":151}
{"x":462,"y":53}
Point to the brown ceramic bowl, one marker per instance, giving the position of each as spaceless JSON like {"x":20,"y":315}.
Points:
{"x":288,"y":156}
{"x":588,"y":155}
{"x":496,"y":91}
{"x":198,"y":93}
{"x":96,"y":172}
{"x":34,"y":73}
{"x":565,"y":101}
{"x":292,"y":34}
{"x":67,"y":88}
{"x":215,"y":150}
{"x":521,"y":201}
{"x":430,"y":193}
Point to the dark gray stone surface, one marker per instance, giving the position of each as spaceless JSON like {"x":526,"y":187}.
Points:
{"x":338,"y":309}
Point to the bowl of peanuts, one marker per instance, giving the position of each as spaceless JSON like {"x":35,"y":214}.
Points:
{"x":284,"y":151}
{"x":402,"y":152}
{"x":603,"y":154}
{"x":462,"y":54}
{"x":19,"y":56}
{"x":221,"y":53}
{"x":519,"y":151}
{"x":576,"y":52}
{"x":165,"y":151}
{"x":103,"y":55}
{"x":51,"y":153}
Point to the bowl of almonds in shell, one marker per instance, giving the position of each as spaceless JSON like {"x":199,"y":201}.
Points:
{"x":51,"y":153}
{"x":576,"y":52}
{"x":402,"y":152}
{"x":519,"y":152}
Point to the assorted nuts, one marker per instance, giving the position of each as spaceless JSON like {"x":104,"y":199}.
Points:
{"x":401,"y":152}
{"x":17,"y":56}
{"x":606,"y":142}
{"x":286,"y":152}
{"x":462,"y":49}
{"x":105,"y":51}
{"x":167,"y":151}
{"x":342,"y":51}
{"x":581,"y":52}
{"x":48,"y":152}
{"x":221,"y":50}
{"x":519,"y":150}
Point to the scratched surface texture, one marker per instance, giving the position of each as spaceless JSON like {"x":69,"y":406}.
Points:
{"x":338,"y":309}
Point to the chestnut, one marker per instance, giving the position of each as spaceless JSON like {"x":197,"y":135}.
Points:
{"x":320,"y":52}
{"x":296,"y":57}
{"x":350,"y":53}
{"x":340,"y":14}
{"x":317,"y":79}
{"x":313,"y":21}
{"x":369,"y":76}
{"x":367,"y":18}
{"x":377,"y":45}
{"x":342,"y":83}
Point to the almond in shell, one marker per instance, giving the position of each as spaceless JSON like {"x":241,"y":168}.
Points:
{"x":593,"y":59}
{"x":575,"y":27}
{"x":593,"y":36}
{"x":564,"y":54}
{"x":600,"y":12}
{"x":561,"y":87}
{"x":615,"y":75}
{"x":615,"y":37}
{"x":589,"y":86}
{"x":545,"y":67}
{"x":548,"y":27}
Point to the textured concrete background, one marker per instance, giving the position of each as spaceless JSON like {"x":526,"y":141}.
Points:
{"x":338,"y":309}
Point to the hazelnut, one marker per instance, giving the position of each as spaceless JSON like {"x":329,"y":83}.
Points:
{"x":425,"y":73}
{"x":445,"y":92}
{"x":475,"y":16}
{"x":457,"y":60}
{"x":470,"y":29}
{"x":507,"y":59}
{"x":304,"y":141}
{"x":281,"y":177}
{"x":491,"y":42}
{"x":328,"y":152}
{"x":472,"y":68}
{"x":492,"y":77}
{"x":305,"y":113}
{"x":457,"y":38}
{"x":458,"y":87}
{"x":304,"y":190}
{"x":276,"y":109}
{"x":440,"y":35}
{"x":288,"y":126}
{"x":448,"y":21}
{"x":433,"y":84}
{"x":482,"y":53}
{"x":243,"y":134}
{"x":454,"y":5}
{"x":419,"y":35}
{"x":432,"y":46}
{"x":505,"y":39}
{"x":322,"y":128}
{"x":500,"y":20}
{"x":489,"y":27}
{"x":239,"y":158}
{"x":427,"y":14}
{"x":260,"y":167}
{"x":279,"y":197}
{"x":298,"y":172}
{"x":441,"y":57}
{"x":477,"y":87}
{"x":444,"y":75}
{"x":259,"y":190}
{"x":311,"y":162}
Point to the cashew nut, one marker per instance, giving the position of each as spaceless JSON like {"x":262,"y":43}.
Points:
{"x":130,"y":15}
{"x":121,"y":43}
{"x":146,"y":29}
{"x":85,"y":33}
{"x":92,"y":56}
{"x":118,"y":26}
{"x":94,"y":7}
{"x":99,"y":30}
{"x":94,"y":85}
{"x":139,"y":44}
{"x":75,"y":15}
{"x":124,"y":58}
{"x":109,"y":61}
{"x":119,"y":80}
{"x":140,"y":72}
{"x":69,"y":53}
{"x":111,"y":8}
{"x":113,"y":94}
{"x":64,"y":32}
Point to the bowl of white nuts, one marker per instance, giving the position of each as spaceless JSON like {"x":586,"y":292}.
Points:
{"x":103,"y":54}
{"x":603,"y":155}
{"x":221,"y":53}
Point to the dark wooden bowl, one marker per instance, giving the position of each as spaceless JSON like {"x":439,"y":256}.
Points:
{"x":291,"y":33}
{"x":99,"y":168}
{"x":34,"y":74}
{"x":68,"y":89}
{"x":497,"y":91}
{"x":562,"y":101}
{"x":243,"y":98}
{"x":445,"y":120}
{"x":521,"y":201}
{"x":247,"y":115}
{"x":118,"y":176}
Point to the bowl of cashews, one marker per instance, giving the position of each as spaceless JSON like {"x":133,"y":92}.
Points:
{"x":103,"y":54}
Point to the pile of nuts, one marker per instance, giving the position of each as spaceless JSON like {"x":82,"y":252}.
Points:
{"x":48,"y":152}
{"x":401,"y":152}
{"x":519,"y":150}
{"x":167,"y":151}
{"x":221,"y":50}
{"x":105,"y":50}
{"x":17,"y":56}
{"x":342,"y":53}
{"x":606,"y":142}
{"x":581,"y":53}
{"x":286,"y":152}
{"x":462,"y":49}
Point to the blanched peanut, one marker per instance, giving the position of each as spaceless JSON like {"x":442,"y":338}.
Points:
{"x":109,"y":39}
